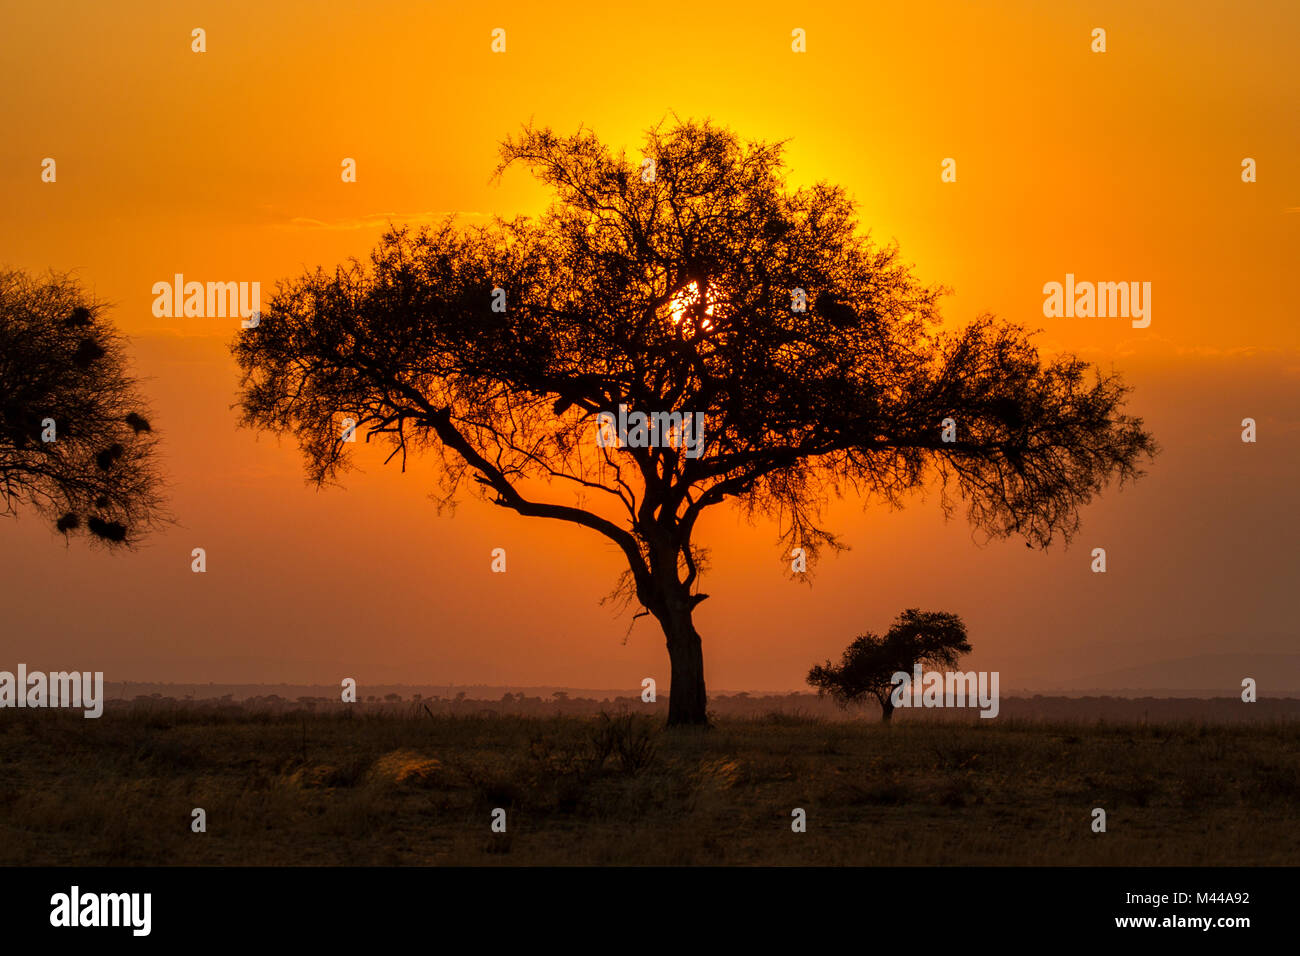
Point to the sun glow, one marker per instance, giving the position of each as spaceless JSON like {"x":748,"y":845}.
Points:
{"x":688,"y":301}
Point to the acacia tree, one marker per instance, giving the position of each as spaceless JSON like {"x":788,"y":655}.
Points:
{"x":933,"y":639}
{"x":75,"y":442}
{"x":701,"y":283}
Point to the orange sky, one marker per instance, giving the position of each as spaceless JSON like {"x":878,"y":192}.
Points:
{"x":1122,"y":166}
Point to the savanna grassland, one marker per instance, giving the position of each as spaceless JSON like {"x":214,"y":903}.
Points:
{"x":404,"y":786}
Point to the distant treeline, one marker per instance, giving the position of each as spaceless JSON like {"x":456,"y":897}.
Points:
{"x":742,"y":705}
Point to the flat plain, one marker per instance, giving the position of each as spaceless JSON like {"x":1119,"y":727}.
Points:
{"x":402,"y":785}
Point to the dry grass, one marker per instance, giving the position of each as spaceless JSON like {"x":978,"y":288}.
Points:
{"x":384,"y":788}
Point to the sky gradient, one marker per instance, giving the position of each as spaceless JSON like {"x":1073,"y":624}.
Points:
{"x":224,"y":166}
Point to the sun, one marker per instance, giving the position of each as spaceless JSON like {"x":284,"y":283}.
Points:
{"x":688,"y":299}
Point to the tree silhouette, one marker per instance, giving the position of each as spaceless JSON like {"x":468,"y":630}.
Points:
{"x":699,"y":284}
{"x":933,"y":639}
{"x":75,"y":442}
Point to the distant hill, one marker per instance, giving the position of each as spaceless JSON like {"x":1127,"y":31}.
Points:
{"x":1200,"y":665}
{"x":1202,"y":675}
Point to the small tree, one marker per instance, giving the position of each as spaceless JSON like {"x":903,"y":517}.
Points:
{"x":933,"y":639}
{"x":75,"y":442}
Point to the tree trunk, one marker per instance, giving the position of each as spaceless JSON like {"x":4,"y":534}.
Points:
{"x":687,"y":700}
{"x":886,"y":708}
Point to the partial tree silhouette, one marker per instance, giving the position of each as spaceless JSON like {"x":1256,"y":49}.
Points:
{"x":932,"y":639}
{"x":75,"y":439}
{"x":702,"y":284}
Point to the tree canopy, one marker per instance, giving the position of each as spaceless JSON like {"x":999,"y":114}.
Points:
{"x":933,"y":639}
{"x":75,"y":440}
